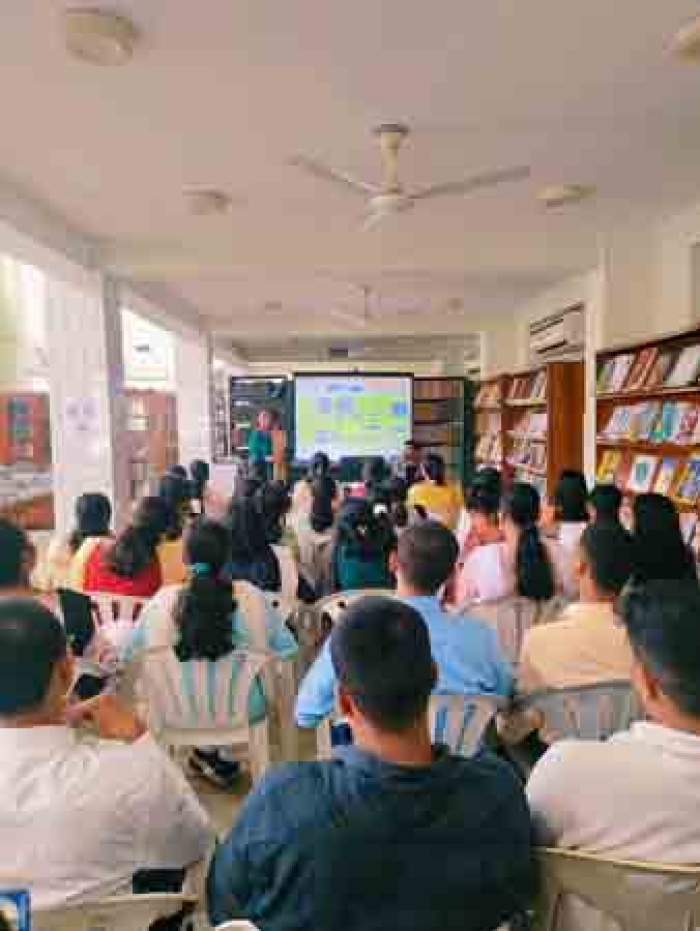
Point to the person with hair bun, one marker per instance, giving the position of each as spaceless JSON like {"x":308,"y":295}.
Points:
{"x":207,"y":619}
{"x":93,"y":516}
{"x":441,"y":499}
{"x":483,"y":507}
{"x":524,"y":563}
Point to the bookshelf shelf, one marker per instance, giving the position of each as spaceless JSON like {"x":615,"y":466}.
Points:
{"x":527,"y":403}
{"x":438,"y":420}
{"x":648,"y":431}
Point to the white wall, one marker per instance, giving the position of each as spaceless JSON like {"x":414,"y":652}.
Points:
{"x":193,"y":388}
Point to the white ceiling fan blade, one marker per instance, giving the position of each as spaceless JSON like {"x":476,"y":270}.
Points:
{"x":329,"y":174}
{"x":476,"y":182}
{"x":373,"y":220}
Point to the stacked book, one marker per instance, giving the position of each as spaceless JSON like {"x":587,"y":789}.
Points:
{"x":531,"y":387}
{"x":650,"y":368}
{"x":489,"y":448}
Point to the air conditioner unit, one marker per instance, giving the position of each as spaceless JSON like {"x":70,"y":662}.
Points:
{"x":562,"y":335}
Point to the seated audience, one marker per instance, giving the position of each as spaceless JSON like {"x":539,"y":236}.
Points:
{"x":315,"y":535}
{"x":319,"y":467}
{"x":635,"y":796}
{"x":129,"y":565}
{"x":199,"y":481}
{"x":395,"y":504}
{"x":17,"y":556}
{"x":393,"y":832}
{"x":274,"y":503}
{"x":466,"y":652}
{"x":93,"y":516}
{"x":375,"y":474}
{"x":483,"y":508}
{"x":80,"y":818}
{"x":570,"y":508}
{"x":441,"y":499}
{"x":587,"y":644}
{"x":176,"y":492}
{"x":524,"y":564}
{"x":410,"y":463}
{"x":251,"y":559}
{"x":364,"y":542}
{"x":660,"y":552}
{"x":203,"y":620}
{"x":605,"y":504}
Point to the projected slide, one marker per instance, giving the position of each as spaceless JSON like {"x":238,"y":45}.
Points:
{"x":352,"y":415}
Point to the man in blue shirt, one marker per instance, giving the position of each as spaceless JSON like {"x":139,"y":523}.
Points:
{"x":391,"y":833}
{"x":466,"y":652}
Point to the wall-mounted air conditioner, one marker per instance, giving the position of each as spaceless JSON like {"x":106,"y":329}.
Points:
{"x":559,"y":336}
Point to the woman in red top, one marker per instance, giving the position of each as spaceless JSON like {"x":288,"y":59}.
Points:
{"x":129,"y":565}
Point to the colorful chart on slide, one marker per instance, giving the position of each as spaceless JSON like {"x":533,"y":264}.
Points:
{"x":351,"y":415}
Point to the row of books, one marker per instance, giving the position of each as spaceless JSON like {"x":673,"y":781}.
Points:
{"x":677,"y":477}
{"x":531,"y":387}
{"x":489,"y":448}
{"x":654,"y":422}
{"x":488,"y":395}
{"x":526,"y":453}
{"x":439,"y":389}
{"x":652,"y":367}
{"x":487,"y":422}
{"x":532,"y":424}
{"x":447,"y":434}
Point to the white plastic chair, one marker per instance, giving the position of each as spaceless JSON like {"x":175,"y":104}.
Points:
{"x":333,"y":607}
{"x":587,"y":712}
{"x":510,"y":617}
{"x":205,"y":704}
{"x":236,"y":926}
{"x":638,"y":896}
{"x":116,"y":615}
{"x":458,"y":721}
{"x":119,"y":913}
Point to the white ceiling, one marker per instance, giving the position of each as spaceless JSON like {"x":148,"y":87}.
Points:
{"x":222,"y":94}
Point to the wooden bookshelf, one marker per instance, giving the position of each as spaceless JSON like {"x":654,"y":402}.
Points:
{"x":543,"y":423}
{"x":657,"y":424}
{"x":490,"y":422}
{"x":438,"y":420}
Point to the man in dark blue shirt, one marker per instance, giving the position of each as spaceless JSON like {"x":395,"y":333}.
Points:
{"x":391,"y":833}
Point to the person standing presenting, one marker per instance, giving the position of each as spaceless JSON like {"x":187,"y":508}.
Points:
{"x":260,"y":446}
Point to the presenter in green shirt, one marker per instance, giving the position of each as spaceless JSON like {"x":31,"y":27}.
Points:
{"x":260,"y":445}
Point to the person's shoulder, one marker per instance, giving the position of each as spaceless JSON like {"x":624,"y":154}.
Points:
{"x":582,"y":760}
{"x":489,"y":782}
{"x":290,"y":798}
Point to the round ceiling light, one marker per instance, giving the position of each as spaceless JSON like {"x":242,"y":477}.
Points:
{"x":558,"y":195}
{"x":100,"y":38}
{"x":207,"y":203}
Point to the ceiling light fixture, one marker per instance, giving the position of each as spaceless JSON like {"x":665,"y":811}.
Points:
{"x":99,"y":37}
{"x":686,"y":43}
{"x":558,"y":195}
{"x":207,"y":203}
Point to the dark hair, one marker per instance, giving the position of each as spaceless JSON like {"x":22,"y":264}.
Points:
{"x":248,"y":487}
{"x":427,"y":555}
{"x":661,"y":618}
{"x":381,"y":657}
{"x":324,"y":491}
{"x":363,"y":534}
{"x":489,"y":477}
{"x":607,"y":548}
{"x":14,"y":548}
{"x":374,"y":472}
{"x":659,"y":549}
{"x":434,"y":468}
{"x":176,"y":493}
{"x":607,"y":501}
{"x":534,"y":573}
{"x":179,"y":471}
{"x":32,"y":641}
{"x":273,"y":502}
{"x":571,"y":497}
{"x":205,"y":605}
{"x":484,"y":499}
{"x":199,"y":475}
{"x":397,"y":497}
{"x":93,"y":515}
{"x":319,"y":466}
{"x":249,"y":547}
{"x":135,"y":547}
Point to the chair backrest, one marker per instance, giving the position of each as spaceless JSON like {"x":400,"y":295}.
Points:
{"x":460,"y":721}
{"x":511,"y":618}
{"x":638,"y":896}
{"x":288,"y":571}
{"x":120,"y":913}
{"x":333,"y":607}
{"x":115,"y":615}
{"x":200,"y":695}
{"x":588,"y":712}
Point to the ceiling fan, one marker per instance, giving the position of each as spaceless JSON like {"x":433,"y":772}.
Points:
{"x":390,"y":197}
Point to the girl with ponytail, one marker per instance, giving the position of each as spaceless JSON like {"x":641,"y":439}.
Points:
{"x":207,"y":619}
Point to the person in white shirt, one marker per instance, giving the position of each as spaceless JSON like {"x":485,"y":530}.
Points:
{"x":79,"y":818}
{"x":587,"y":644}
{"x":637,"y":795}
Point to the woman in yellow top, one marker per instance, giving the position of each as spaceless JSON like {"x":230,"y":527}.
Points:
{"x":442,"y":500}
